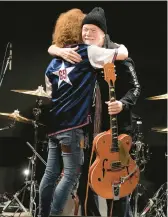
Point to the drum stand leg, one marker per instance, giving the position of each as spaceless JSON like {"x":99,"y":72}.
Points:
{"x":15,"y":197}
{"x":135,"y":197}
{"x":33,"y":182}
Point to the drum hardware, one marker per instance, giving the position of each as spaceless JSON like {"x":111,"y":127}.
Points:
{"x":8,"y":63}
{"x":160,"y":129}
{"x":139,"y":191}
{"x":3,"y":199}
{"x":140,"y":150}
{"x":32,"y":160}
{"x":157,"y":205}
{"x":141,"y":154}
{"x":15,"y":116}
{"x":12,"y":125}
{"x":36,"y":153}
{"x":38,"y":92}
{"x":31,"y":184}
{"x":164,"y":96}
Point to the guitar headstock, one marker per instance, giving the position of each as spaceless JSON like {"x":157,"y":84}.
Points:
{"x":109,"y":73}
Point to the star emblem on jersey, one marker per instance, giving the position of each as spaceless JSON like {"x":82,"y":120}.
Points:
{"x":62,"y":73}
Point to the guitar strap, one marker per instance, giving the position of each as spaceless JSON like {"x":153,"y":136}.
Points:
{"x":98,"y":111}
{"x":87,"y":187}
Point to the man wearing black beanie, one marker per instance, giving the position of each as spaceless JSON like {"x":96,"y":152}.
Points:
{"x":94,"y":26}
{"x":96,"y":17}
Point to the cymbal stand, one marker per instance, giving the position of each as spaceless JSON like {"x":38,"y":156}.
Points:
{"x":22,"y":190}
{"x":33,"y":182}
{"x":141,"y":156}
{"x":36,"y":153}
{"x":12,"y":125}
{"x":28,"y":183}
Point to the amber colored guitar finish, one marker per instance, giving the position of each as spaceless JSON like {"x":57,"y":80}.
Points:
{"x":101,"y":182}
{"x":114,"y":174}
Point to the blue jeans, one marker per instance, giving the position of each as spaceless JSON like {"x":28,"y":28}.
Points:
{"x":63,"y":148}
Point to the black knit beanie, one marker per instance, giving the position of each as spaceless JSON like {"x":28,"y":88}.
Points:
{"x":97,"y":18}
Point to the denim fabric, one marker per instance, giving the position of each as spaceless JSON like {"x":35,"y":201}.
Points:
{"x":52,"y":197}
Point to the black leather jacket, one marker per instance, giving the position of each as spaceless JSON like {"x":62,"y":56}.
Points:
{"x":127,"y":90}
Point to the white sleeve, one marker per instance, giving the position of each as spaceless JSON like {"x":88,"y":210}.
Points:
{"x":99,"y":56}
{"x":48,"y":86}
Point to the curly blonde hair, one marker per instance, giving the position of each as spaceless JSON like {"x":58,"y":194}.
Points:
{"x":68,"y":28}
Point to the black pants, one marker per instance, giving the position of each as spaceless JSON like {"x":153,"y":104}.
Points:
{"x":121,"y":208}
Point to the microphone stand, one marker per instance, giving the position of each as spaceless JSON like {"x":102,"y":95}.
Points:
{"x":6,"y":67}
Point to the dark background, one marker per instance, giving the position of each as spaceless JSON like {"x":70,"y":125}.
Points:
{"x":140,"y":26}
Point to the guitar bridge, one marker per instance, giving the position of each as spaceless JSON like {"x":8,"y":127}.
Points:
{"x":115,"y":166}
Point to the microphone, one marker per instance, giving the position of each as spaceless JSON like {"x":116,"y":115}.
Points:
{"x":10,"y":56}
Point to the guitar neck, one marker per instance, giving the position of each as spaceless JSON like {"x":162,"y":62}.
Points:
{"x":113,"y":120}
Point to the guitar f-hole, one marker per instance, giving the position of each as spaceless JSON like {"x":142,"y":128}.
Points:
{"x":103,"y":169}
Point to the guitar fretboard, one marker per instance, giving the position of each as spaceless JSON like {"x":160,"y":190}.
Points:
{"x":113,"y":120}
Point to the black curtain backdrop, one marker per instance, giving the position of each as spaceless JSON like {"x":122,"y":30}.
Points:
{"x":140,"y":26}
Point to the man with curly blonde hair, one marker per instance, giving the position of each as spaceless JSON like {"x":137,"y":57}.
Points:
{"x":71,"y":88}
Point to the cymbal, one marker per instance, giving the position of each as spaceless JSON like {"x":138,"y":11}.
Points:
{"x":38,"y":92}
{"x":164,"y":96}
{"x":17,"y":117}
{"x":160,"y":129}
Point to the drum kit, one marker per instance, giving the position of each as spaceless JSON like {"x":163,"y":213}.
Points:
{"x":156,"y":205}
{"x":30,"y":182}
{"x":140,"y":153}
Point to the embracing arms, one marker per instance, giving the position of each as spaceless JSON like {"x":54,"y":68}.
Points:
{"x":70,"y":54}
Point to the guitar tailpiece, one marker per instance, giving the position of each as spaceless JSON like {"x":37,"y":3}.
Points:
{"x":116,"y":191}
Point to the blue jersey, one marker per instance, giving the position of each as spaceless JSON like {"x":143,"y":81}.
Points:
{"x":72,"y":87}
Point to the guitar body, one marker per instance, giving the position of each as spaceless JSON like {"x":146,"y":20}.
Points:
{"x":97,"y":159}
{"x":109,"y":167}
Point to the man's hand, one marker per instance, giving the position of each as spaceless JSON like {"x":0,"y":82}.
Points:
{"x":68,"y":54}
{"x":114,"y":107}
